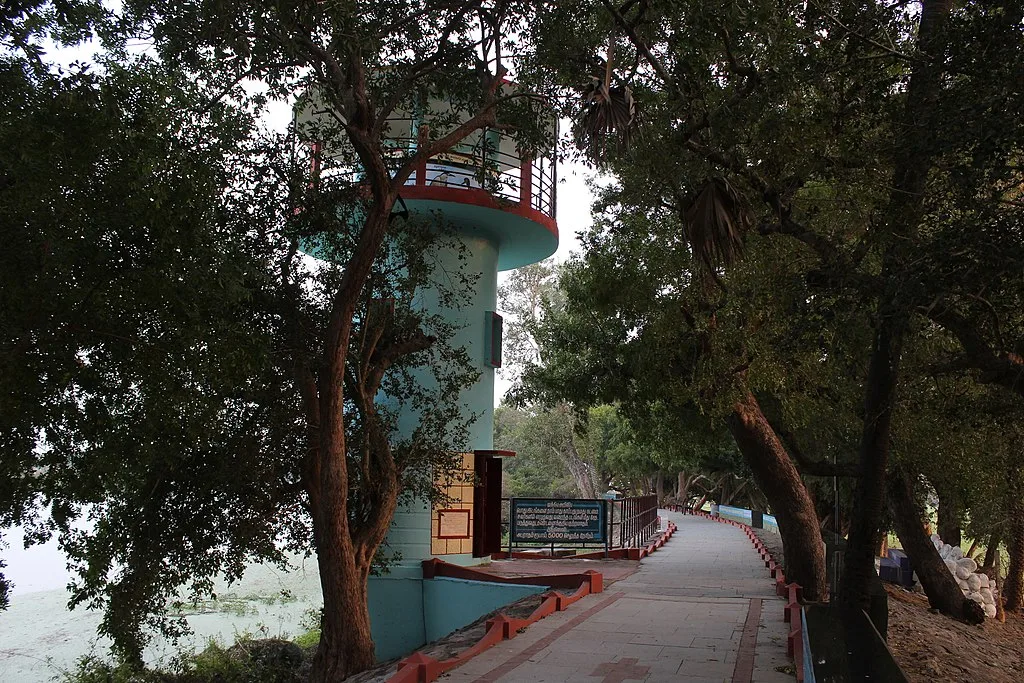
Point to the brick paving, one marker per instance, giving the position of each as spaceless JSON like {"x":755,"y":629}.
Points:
{"x":700,"y":609}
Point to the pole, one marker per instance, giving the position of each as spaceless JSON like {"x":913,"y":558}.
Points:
{"x":511,"y":524}
{"x":608,"y":528}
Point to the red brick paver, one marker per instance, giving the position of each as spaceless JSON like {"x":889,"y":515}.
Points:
{"x":744,"y":670}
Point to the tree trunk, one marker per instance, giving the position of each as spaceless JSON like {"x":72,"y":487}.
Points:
{"x":781,"y":484}
{"x":730,"y":497}
{"x":682,"y":489}
{"x":583,"y":475}
{"x":912,"y":164}
{"x":992,"y":550}
{"x":869,"y":494}
{"x":659,"y":487}
{"x":1013,"y":587}
{"x":581,"y":472}
{"x":950,"y":516}
{"x":998,"y":578}
{"x":939,"y":585}
{"x":346,"y":646}
{"x":686,"y":482}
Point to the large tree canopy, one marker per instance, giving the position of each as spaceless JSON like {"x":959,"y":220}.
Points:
{"x":183,"y":390}
{"x":813,"y":240}
{"x":804,"y":153}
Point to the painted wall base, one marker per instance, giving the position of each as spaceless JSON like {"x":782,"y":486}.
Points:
{"x":407,"y":612}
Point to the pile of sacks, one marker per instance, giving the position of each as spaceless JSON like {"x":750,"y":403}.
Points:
{"x":975,"y":585}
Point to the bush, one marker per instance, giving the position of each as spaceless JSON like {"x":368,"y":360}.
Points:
{"x":249,"y":660}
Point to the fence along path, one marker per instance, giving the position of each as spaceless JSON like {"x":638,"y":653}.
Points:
{"x":701,"y":609}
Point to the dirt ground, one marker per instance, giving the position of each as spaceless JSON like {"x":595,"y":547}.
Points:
{"x":933,"y":647}
{"x":773,"y":542}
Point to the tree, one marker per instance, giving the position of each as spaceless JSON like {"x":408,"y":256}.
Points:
{"x":133,"y":353}
{"x":618,"y":339}
{"x":539,"y":439}
{"x":234,"y":379}
{"x":838,"y":126}
{"x":525,"y":296}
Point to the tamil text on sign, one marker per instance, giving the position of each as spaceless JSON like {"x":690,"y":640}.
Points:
{"x":542,"y":520}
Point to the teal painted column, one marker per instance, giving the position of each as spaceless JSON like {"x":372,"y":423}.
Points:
{"x":410,"y":529}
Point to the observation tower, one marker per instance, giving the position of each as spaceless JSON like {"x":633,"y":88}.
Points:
{"x":500,"y":204}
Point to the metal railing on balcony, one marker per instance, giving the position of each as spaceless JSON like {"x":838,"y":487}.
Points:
{"x":521,"y":181}
{"x":486,"y":162}
{"x":517,"y":179}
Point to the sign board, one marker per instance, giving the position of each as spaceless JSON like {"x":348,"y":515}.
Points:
{"x":453,"y":524}
{"x":545,"y":520}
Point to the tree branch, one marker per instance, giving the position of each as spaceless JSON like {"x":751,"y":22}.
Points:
{"x":1003,"y":368}
{"x":814,"y":468}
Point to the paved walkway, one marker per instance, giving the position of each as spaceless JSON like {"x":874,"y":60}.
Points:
{"x":700,"y":609}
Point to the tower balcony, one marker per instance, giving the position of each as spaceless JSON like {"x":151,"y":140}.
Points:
{"x":485,"y":186}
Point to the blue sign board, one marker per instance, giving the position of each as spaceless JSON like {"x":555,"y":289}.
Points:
{"x":546,"y":520}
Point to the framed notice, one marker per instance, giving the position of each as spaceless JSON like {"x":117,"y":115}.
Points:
{"x":546,"y":520}
{"x":453,"y":524}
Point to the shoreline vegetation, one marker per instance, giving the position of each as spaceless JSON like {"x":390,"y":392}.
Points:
{"x":43,"y":641}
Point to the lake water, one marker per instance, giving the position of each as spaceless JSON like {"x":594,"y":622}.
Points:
{"x":40,"y":638}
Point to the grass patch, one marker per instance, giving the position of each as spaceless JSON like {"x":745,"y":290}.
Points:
{"x":308,"y":640}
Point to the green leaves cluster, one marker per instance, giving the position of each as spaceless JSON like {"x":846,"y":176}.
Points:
{"x":154,"y":302}
{"x":800,"y":109}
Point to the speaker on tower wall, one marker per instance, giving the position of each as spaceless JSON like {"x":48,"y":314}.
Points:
{"x":494,"y":332}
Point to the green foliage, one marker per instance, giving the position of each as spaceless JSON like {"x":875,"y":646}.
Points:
{"x":524,"y":297}
{"x":247,"y":661}
{"x":613,"y":447}
{"x":160,"y":333}
{"x":800,"y":110}
{"x":310,"y":637}
{"x":537,"y":470}
{"x":154,"y":306}
{"x":92,"y":669}
{"x":308,"y":640}
{"x":140,"y":407}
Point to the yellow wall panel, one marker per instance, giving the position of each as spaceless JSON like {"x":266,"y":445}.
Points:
{"x":459,"y":488}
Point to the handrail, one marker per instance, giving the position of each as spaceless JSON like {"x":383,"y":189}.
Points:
{"x":630,"y":523}
{"x":639,"y":519}
{"x":519,"y":179}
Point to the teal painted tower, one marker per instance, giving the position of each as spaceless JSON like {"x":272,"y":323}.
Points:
{"x":500,"y":203}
